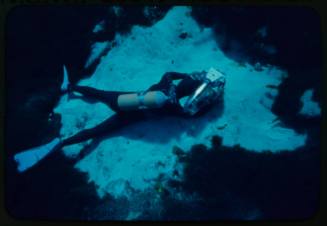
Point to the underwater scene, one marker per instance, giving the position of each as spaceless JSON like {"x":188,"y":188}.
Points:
{"x":162,"y":113}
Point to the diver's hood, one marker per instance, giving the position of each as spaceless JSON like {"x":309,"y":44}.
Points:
{"x":208,"y":92}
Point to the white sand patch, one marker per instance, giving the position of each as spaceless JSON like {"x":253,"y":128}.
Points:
{"x":97,"y":49}
{"x":117,"y":10}
{"x":98,"y":27}
{"x":137,"y":155}
{"x":310,"y":108}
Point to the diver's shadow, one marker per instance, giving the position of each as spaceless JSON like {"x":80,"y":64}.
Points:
{"x":158,"y":129}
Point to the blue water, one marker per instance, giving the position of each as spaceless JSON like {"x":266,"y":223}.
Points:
{"x":230,"y":182}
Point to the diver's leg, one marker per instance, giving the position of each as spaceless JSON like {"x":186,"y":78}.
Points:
{"x":112,"y":124}
{"x":106,"y":126}
{"x":28,"y":158}
{"x":108,"y":97}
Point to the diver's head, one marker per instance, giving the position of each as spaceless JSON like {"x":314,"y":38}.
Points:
{"x":207,"y":93}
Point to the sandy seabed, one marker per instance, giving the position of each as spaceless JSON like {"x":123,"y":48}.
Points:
{"x":134,"y":158}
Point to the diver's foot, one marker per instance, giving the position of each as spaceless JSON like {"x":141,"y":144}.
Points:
{"x":65,"y":83}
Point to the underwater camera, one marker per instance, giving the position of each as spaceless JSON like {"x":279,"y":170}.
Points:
{"x":208,"y":92}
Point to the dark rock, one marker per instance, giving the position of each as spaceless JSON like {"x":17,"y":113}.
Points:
{"x":183,"y":35}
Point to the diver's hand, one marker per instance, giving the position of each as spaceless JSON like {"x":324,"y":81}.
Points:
{"x":198,"y":76}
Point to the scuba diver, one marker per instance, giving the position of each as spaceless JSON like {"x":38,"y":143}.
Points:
{"x":193,"y":95}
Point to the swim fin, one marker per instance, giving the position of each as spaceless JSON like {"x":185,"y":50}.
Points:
{"x":65,"y":82}
{"x":30,"y":157}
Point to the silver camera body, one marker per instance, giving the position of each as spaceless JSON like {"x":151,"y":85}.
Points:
{"x":208,"y":92}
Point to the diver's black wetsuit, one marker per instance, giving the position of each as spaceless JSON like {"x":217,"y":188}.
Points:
{"x":123,"y":118}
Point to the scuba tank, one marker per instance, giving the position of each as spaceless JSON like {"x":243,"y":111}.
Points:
{"x":142,"y":100}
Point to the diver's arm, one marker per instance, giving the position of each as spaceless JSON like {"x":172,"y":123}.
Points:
{"x":166,"y":80}
{"x":175,"y":75}
{"x":198,"y":76}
